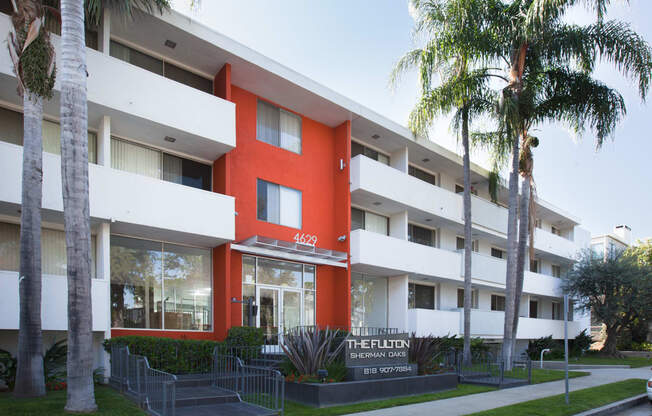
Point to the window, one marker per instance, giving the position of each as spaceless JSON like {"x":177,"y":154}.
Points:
{"x":423,"y":175}
{"x":498,"y":253}
{"x":421,"y":296}
{"x":54,"y":26}
{"x":555,"y":231}
{"x":537,"y":223}
{"x":534,"y":266}
{"x":474,"y":298}
{"x":459,"y":244}
{"x":497,"y":303}
{"x":359,"y":149}
{"x":278,"y":127}
{"x":278,"y":204}
{"x":421,"y":235}
{"x":363,"y":220}
{"x":11,"y":131}
{"x":557,"y":311}
{"x":53,"y":250}
{"x":158,"y":285}
{"x":160,"y":67}
{"x":459,"y":189}
{"x":142,"y":160}
{"x":368,"y":301}
{"x":556,"y":270}
{"x":598,"y":249}
{"x":534,"y":308}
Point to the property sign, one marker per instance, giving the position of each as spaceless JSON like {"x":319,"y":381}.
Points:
{"x":378,"y":356}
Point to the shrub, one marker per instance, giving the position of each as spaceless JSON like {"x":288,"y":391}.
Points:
{"x":537,"y":345}
{"x":426,"y":352}
{"x":245,"y":336}
{"x":310,"y":349}
{"x":580,"y":344}
{"x":177,"y":356}
{"x":8,"y":368}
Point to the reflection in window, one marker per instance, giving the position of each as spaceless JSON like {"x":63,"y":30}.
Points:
{"x":159,"y":286}
{"x":421,"y":296}
{"x":368,"y":301}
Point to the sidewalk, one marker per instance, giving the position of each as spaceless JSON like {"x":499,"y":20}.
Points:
{"x":484,"y":401}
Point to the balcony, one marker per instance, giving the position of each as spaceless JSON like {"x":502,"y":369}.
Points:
{"x":379,"y":254}
{"x":491,"y":270}
{"x":54,"y":308}
{"x":135,"y":204}
{"x":141,"y":104}
{"x":551,"y":243}
{"x":484,"y":323}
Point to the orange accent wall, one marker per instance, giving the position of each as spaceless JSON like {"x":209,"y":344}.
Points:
{"x":222,"y":83}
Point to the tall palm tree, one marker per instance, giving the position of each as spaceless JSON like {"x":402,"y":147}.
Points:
{"x":74,"y":169}
{"x":451,"y":27}
{"x":33,"y":58}
{"x":550,"y":81}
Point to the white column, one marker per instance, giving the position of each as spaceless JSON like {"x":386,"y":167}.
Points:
{"x":104,"y":142}
{"x":399,"y":160}
{"x":103,"y":271}
{"x":397,"y":308}
{"x":104,"y":32}
{"x":398,"y":225}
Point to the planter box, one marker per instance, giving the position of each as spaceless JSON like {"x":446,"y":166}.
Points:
{"x":348,"y":392}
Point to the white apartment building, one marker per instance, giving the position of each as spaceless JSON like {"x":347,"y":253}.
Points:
{"x":263,"y":185}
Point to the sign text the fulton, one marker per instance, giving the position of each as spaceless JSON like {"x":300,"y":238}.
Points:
{"x":378,"y":356}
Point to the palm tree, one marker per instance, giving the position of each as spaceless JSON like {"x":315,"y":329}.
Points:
{"x":550,"y":81}
{"x":452,"y":29}
{"x":74,"y":169}
{"x":33,"y":58}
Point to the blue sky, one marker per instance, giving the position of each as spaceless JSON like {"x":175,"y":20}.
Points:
{"x":351,"y":46}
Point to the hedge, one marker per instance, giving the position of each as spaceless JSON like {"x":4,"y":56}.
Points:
{"x":183,"y":356}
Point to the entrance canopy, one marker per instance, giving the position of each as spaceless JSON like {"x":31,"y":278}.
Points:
{"x":271,"y":247}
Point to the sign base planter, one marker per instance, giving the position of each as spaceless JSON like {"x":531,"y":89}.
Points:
{"x":349,"y":392}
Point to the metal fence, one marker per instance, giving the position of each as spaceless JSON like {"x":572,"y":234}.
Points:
{"x":132,"y":374}
{"x":487,"y":370}
{"x":258,"y":385}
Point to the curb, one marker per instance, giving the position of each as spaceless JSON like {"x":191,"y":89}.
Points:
{"x":559,"y":365}
{"x":613,"y":408}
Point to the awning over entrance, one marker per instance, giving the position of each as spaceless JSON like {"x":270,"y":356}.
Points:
{"x":289,"y":250}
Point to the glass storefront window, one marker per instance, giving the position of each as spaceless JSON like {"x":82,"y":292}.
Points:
{"x":278,"y":273}
{"x":156,"y":285}
{"x":368,"y":301}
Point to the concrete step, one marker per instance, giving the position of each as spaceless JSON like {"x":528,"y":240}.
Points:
{"x":203,"y":395}
{"x":193,"y":380}
{"x":225,"y":409}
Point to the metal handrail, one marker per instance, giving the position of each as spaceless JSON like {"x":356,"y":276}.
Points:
{"x":132,"y":373}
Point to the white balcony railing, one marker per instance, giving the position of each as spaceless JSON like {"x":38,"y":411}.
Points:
{"x":135,"y":204}
{"x":393,"y":256}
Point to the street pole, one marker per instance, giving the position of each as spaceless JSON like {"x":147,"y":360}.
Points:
{"x":566,"y":343}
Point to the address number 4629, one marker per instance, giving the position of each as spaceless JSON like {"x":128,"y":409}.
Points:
{"x":305,"y":239}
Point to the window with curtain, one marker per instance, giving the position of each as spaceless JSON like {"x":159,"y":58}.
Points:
{"x":421,"y":235}
{"x":368,"y":301}
{"x":421,"y":296}
{"x":278,"y":204}
{"x":498,"y":253}
{"x":557,"y":311}
{"x":53,"y":250}
{"x":474,"y":298}
{"x":360,"y":149}
{"x":143,"y":160}
{"x":497,"y":303}
{"x":423,"y":175}
{"x":556,"y":270}
{"x":157,"y":285}
{"x":369,"y":221}
{"x":278,"y":127}
{"x":11,"y":131}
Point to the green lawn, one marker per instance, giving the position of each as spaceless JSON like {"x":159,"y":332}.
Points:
{"x":580,"y":401}
{"x":634,"y":362}
{"x":296,"y":409}
{"x":109,"y":402}
{"x":543,"y":376}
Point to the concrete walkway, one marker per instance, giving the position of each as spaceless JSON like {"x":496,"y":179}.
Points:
{"x":490,"y":400}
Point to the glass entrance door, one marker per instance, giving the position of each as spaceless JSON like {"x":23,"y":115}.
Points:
{"x":268,"y":313}
{"x":291,"y":309}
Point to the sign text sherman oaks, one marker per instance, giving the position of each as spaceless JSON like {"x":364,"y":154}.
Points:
{"x":378,"y":356}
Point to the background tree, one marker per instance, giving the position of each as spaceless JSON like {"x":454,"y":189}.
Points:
{"x":617,"y":290}
{"x":33,"y":59}
{"x":453,"y":31}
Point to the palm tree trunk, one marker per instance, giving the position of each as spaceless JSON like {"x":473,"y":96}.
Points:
{"x":523,"y":227}
{"x":30,"y":380}
{"x":74,"y":168}
{"x":466,"y":355}
{"x":510,"y":278}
